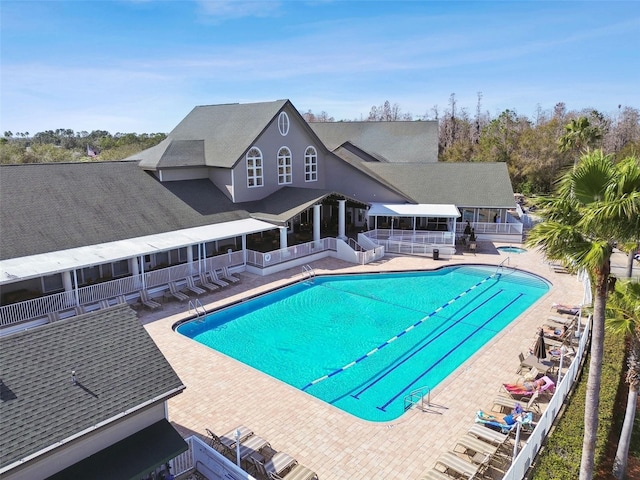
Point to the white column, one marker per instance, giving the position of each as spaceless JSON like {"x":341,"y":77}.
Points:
{"x":341,"y":219}
{"x":244,"y":249}
{"x":133,"y":266}
{"x":283,"y":237}
{"x":66,"y":281}
{"x":190,"y":258}
{"x":316,"y":225}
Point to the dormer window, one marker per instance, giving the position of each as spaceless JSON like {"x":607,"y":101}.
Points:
{"x":310,"y":165}
{"x":283,"y":123}
{"x":254,"y":168}
{"x":284,"y":166}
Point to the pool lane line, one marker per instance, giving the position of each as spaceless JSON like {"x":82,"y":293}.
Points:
{"x":394,"y":338}
{"x":480,"y":327}
{"x":432,"y":339}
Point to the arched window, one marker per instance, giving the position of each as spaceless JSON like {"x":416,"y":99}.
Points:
{"x":254,"y":168}
{"x":284,"y":166}
{"x":310,"y":164}
{"x":283,"y":123}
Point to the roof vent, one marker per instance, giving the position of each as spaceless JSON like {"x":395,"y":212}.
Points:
{"x":73,"y":377}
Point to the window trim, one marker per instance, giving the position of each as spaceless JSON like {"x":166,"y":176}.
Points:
{"x":311,"y":164}
{"x":258,"y":179}
{"x":283,"y":123}
{"x":284,"y":177}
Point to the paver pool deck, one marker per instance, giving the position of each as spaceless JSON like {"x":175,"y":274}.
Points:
{"x":223,"y":393}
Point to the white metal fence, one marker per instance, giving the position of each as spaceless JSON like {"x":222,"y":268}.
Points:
{"x":524,"y":460}
{"x":269,"y":259}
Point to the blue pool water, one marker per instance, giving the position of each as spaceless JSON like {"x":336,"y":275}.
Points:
{"x":512,"y":249}
{"x":335,"y":337}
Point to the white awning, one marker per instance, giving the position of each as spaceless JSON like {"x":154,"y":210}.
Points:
{"x":34,"y":266}
{"x":413,"y":210}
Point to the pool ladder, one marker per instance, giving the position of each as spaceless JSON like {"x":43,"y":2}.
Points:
{"x":418,"y":396}
{"x":196,"y":306}
{"x":308,"y":273}
{"x":501,"y":266}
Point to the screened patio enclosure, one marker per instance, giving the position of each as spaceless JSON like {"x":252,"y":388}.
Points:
{"x":437,"y":222}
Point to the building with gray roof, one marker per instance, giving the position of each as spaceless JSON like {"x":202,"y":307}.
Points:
{"x":237,"y":186}
{"x":72,"y":390}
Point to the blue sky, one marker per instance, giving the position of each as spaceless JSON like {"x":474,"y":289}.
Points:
{"x":142,"y":65}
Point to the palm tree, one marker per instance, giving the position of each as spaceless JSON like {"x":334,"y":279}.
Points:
{"x":594,"y":206}
{"x":579,"y":135}
{"x":623,"y":317}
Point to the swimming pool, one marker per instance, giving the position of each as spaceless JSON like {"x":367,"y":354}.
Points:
{"x":362,"y":342}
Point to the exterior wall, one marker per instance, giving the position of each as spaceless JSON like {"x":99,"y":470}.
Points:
{"x":186,"y":173}
{"x":223,"y":179}
{"x":297,"y":140}
{"x":77,"y":450}
{"x":345,"y":179}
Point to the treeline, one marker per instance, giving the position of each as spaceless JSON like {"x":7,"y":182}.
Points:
{"x":65,"y":145}
{"x":535,"y":149}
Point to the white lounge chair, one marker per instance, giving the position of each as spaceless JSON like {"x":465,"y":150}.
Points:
{"x":204,"y":281}
{"x":173,"y":288}
{"x":228,"y":276}
{"x":146,"y":300}
{"x":214,"y":279}
{"x":192,"y":286}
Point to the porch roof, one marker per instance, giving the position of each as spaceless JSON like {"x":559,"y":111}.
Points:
{"x":413,"y":210}
{"x":34,"y":266}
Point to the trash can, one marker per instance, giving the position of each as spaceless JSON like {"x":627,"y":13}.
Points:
{"x":436,"y":254}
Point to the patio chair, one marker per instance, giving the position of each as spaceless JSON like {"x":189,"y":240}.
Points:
{"x":192,"y":286}
{"x":298,"y":472}
{"x":475,"y":448}
{"x":276,"y":465}
{"x":229,"y":438}
{"x":213,"y":276}
{"x":226,"y":443}
{"x":204,"y":281}
{"x":488,"y":435}
{"x":507,"y":425}
{"x":251,"y":447}
{"x":510,"y":404}
{"x":434,"y":474}
{"x":173,"y":289}
{"x":563,"y":320}
{"x":527,"y":389}
{"x":452,"y":463}
{"x":146,"y":300}
{"x":228,"y":276}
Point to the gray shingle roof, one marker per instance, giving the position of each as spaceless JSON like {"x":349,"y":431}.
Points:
{"x":50,"y":207}
{"x":227,"y":131}
{"x":397,"y":142}
{"x":118,"y":367}
{"x":285,"y":203}
{"x":461,"y":184}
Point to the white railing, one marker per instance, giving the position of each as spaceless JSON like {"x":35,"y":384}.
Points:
{"x":511,"y":228}
{"x":92,"y":294}
{"x":275,"y":257}
{"x":424,"y":237}
{"x":368,"y":256}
